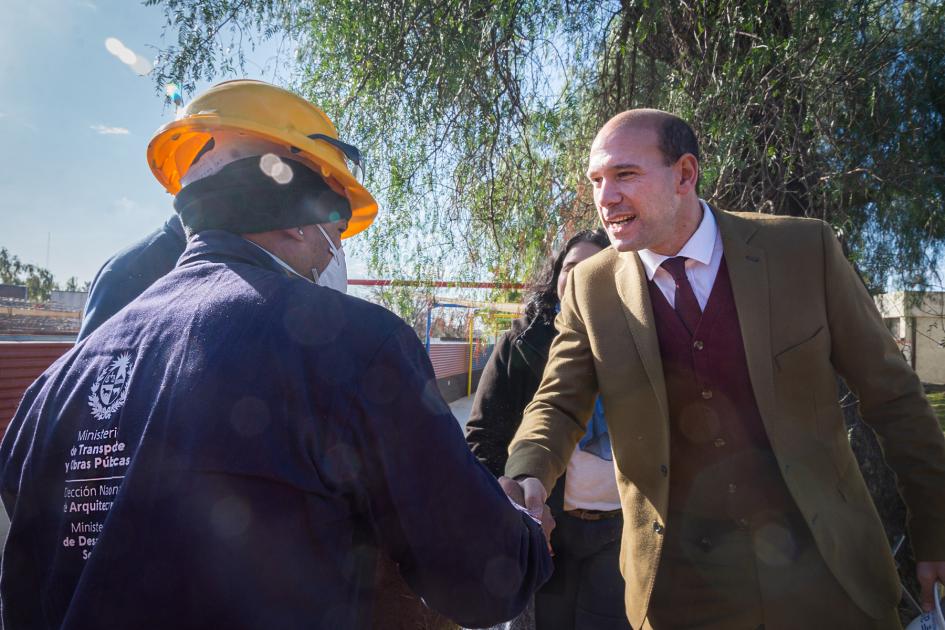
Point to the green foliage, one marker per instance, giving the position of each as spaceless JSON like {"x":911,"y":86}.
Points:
{"x":477,"y":116}
{"x":937,"y":400}
{"x":410,"y":304}
{"x":39,"y":282}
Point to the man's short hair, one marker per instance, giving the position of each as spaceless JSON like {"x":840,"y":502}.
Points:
{"x":676,"y":137}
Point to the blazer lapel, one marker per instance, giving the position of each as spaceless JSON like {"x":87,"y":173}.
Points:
{"x":635,"y":298}
{"x":748,"y":272}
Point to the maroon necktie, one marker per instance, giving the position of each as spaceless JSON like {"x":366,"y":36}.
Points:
{"x":687,"y":306}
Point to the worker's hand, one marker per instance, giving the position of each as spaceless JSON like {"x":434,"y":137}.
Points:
{"x":531,"y":494}
{"x":929,"y":573}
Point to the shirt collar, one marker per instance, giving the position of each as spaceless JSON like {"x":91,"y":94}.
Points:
{"x":221,"y":246}
{"x":285,"y":266}
{"x":699,"y":246}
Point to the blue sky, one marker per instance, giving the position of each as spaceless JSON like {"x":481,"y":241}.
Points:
{"x":74,"y":126}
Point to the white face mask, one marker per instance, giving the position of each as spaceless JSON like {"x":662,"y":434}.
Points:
{"x":335,"y":275}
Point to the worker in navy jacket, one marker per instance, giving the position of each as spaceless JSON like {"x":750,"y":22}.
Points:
{"x":128,"y":273}
{"x":235,"y":447}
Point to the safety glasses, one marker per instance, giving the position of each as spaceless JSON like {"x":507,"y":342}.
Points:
{"x":351,"y":153}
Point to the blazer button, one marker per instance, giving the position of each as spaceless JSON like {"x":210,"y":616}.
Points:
{"x":657,"y":527}
{"x":698,"y":345}
{"x":718,"y":443}
{"x":707,"y":394}
{"x":664,"y":469}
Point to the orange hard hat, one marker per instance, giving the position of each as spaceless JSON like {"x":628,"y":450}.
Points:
{"x":265,"y":112}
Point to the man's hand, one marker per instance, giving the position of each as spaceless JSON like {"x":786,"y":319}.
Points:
{"x":928,"y":573}
{"x":530,"y":494}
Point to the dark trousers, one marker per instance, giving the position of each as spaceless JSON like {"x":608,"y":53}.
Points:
{"x":586,"y":591}
{"x":767,"y":575}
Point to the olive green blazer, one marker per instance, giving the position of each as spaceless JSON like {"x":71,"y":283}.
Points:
{"x":804,"y":315}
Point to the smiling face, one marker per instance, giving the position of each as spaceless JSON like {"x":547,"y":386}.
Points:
{"x":643,"y":203}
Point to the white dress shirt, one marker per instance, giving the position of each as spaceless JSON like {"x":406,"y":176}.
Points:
{"x":590,"y":483}
{"x":704,"y":253}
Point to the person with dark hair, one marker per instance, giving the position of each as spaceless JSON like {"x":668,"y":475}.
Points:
{"x":714,"y":340}
{"x":586,"y":589}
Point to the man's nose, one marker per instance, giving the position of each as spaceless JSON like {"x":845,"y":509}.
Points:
{"x":608,"y":194}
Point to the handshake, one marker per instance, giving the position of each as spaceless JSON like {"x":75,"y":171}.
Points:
{"x":530,"y":495}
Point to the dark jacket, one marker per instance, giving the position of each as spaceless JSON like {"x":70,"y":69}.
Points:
{"x":231,"y":450}
{"x":128,"y":273}
{"x":508,"y":383}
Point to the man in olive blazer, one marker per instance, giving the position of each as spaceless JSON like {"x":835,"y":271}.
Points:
{"x":804,"y":316}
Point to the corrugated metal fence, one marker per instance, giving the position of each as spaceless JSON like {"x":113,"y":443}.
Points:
{"x":20,"y":363}
{"x":450,"y":359}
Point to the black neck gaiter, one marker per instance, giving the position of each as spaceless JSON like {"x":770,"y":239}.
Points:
{"x":242,"y":199}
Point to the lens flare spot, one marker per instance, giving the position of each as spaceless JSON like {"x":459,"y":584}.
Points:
{"x":114,"y":45}
{"x":127,"y":56}
{"x":275,"y":168}
{"x":142,"y":66}
{"x":230,"y":517}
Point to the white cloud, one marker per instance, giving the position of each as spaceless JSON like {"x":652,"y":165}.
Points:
{"x":88,"y":4}
{"x":109,"y":131}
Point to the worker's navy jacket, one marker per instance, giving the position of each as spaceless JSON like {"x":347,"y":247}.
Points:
{"x":231,"y":449}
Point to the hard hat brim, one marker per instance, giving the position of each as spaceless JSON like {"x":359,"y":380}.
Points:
{"x":175,"y":145}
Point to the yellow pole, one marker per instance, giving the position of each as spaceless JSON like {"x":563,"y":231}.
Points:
{"x":472,"y":321}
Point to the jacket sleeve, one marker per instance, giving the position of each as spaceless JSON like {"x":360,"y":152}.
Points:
{"x":127,"y":274}
{"x":892,"y":401}
{"x":16,"y":444}
{"x":557,"y":416}
{"x":497,"y":408}
{"x":98,"y":304}
{"x":434,"y":508}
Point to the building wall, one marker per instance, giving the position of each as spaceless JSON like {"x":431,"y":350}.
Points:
{"x":451,"y":367}
{"x":69,"y":300}
{"x":13,"y":291}
{"x":917,"y":322}
{"x":455,"y":387}
{"x":929,"y":351}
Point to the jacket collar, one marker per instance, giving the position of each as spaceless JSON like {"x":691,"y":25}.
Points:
{"x":748,"y":272}
{"x":533,"y":343}
{"x":175,"y":227}
{"x":228,"y":248}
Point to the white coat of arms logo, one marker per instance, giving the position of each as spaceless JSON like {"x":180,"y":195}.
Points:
{"x":110,"y":389}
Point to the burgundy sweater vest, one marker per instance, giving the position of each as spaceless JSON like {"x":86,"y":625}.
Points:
{"x":721,"y":463}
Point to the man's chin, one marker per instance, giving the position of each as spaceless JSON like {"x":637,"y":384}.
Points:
{"x":627,"y":239}
{"x":625,"y":244}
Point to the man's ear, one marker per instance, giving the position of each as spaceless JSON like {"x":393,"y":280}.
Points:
{"x":295,"y":233}
{"x":688,"y":171}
